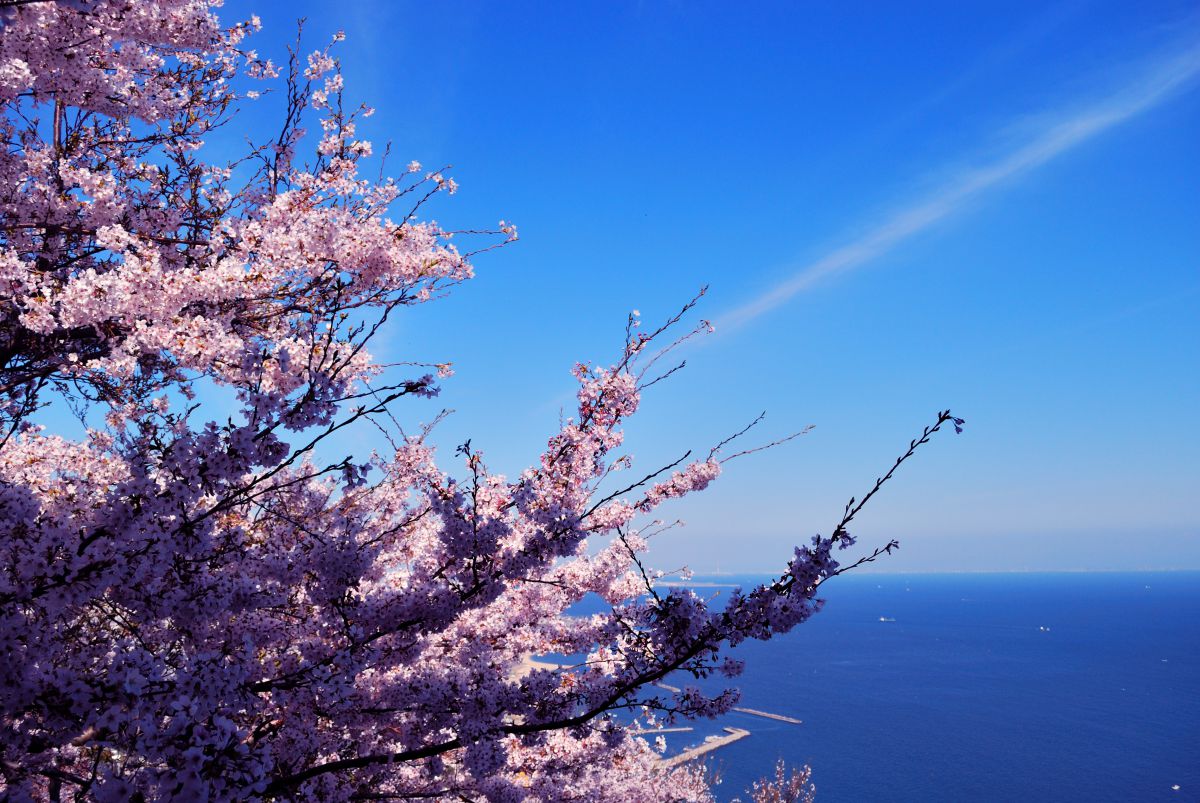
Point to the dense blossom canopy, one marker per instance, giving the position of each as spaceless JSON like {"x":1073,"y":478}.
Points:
{"x":197,"y":609}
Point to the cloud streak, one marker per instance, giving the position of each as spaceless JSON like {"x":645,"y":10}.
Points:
{"x":1136,"y":97}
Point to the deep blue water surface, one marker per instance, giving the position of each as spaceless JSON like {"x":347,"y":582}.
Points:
{"x":1014,"y":687}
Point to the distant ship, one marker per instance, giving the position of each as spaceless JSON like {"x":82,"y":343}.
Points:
{"x":886,"y":619}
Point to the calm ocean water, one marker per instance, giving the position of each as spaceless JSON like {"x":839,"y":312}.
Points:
{"x":1013,"y":687}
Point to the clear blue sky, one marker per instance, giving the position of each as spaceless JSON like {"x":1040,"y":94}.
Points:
{"x":899,"y":208}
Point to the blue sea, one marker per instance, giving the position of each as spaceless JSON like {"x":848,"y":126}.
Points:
{"x":978,"y":687}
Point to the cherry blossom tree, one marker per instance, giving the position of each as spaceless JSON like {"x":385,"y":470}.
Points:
{"x":195,"y":609}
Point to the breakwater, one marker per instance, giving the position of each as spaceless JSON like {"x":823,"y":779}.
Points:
{"x":707,"y":746}
{"x":754,"y":712}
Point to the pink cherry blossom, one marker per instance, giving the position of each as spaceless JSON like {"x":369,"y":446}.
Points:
{"x":193,"y":605}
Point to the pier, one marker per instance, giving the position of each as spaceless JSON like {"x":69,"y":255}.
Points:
{"x":754,"y":712}
{"x":707,"y":746}
{"x":654,"y":731}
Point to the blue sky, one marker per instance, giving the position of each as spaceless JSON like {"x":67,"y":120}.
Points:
{"x":987,"y":207}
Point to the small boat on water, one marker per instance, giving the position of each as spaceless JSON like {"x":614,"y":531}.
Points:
{"x":886,"y":619}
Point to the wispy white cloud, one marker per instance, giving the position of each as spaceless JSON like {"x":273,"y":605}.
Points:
{"x":1151,"y":87}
